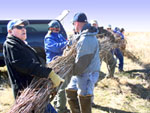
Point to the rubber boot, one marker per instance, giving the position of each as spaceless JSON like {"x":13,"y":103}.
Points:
{"x":73,"y":101}
{"x":85,"y":104}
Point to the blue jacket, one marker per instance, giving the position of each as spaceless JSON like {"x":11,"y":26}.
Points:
{"x":87,"y":59}
{"x":54,"y":45}
{"x":119,"y":33}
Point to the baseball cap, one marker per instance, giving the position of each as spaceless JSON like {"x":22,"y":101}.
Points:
{"x":94,"y":22}
{"x":16,"y":22}
{"x":53,"y":24}
{"x":80,"y":17}
{"x":109,"y":26}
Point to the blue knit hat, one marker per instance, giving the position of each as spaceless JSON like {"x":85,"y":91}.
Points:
{"x":80,"y":17}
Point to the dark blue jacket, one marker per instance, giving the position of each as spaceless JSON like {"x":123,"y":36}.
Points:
{"x":54,"y":43}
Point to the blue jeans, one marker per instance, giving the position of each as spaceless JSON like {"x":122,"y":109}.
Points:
{"x":119,"y":55}
{"x":84,"y":84}
{"x":50,"y":109}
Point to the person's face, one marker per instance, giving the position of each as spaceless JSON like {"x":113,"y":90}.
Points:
{"x":95,"y":25}
{"x":19,"y":31}
{"x":76,"y":27}
{"x":55,"y":30}
{"x":109,"y":29}
{"x":123,"y":32}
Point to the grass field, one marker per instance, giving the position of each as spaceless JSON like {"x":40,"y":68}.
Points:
{"x":129,"y":92}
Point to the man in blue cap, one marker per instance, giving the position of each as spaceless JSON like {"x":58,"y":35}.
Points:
{"x":22,"y":61}
{"x":86,"y":66}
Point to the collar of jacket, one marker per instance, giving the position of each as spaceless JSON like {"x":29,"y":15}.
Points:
{"x":20,"y":42}
{"x":89,"y":28}
{"x":16,"y":39}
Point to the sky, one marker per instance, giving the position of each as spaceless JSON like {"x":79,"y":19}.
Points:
{"x":133,"y":15}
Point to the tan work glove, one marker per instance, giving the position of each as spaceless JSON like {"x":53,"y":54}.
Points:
{"x":55,"y":79}
{"x":3,"y":69}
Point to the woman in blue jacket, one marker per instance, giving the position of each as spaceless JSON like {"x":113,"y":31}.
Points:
{"x":54,"y":42}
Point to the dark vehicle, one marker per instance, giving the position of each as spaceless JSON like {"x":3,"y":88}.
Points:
{"x":36,"y":32}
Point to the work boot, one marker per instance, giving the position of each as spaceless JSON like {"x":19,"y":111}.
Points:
{"x":85,"y":104}
{"x":93,"y":105}
{"x":73,"y":101}
{"x":121,"y":70}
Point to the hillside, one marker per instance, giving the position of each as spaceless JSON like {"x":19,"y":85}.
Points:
{"x":128,"y":92}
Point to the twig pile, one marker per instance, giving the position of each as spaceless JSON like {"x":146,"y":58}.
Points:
{"x":35,"y":97}
{"x":63,"y":64}
{"x":106,"y":45}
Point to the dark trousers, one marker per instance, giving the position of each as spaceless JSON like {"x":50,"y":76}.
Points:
{"x":119,"y":55}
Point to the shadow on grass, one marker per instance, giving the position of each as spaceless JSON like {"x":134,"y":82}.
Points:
{"x":138,"y":73}
{"x":139,"y":90}
{"x":4,"y":81}
{"x":110,"y":110}
{"x":139,"y":70}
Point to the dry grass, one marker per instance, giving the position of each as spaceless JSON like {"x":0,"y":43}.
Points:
{"x":6,"y":99}
{"x":121,"y":95}
{"x":138,"y":44}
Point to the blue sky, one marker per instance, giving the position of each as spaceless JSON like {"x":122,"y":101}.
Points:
{"x":133,"y":15}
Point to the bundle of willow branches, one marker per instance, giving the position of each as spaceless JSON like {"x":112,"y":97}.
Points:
{"x":108,"y":43}
{"x":63,"y":64}
{"x":34,"y":98}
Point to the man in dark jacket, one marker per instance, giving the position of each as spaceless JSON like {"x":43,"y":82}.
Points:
{"x":21,"y":60}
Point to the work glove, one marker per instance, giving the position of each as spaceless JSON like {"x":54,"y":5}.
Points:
{"x":3,"y":69}
{"x":55,"y":79}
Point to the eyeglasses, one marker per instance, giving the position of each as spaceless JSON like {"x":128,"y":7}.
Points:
{"x":19,"y":27}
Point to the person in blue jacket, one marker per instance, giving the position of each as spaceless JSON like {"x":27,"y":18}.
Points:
{"x":118,"y":52}
{"x":54,"y":42}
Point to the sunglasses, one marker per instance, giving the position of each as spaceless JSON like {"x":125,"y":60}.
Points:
{"x":20,"y":27}
{"x":54,"y":29}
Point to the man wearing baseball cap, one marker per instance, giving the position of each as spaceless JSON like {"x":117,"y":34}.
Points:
{"x":86,"y":66}
{"x":22,"y":61}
